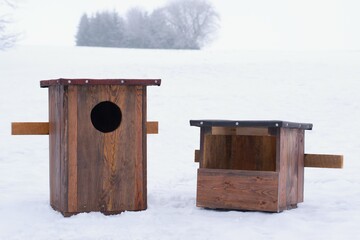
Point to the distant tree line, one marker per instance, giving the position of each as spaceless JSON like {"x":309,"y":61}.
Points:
{"x":182,"y":24}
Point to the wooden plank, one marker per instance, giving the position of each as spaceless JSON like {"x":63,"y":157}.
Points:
{"x":42,"y":128}
{"x":246,"y":131}
{"x":152,"y":127}
{"x":324,"y":161}
{"x":72,"y":129}
{"x":90,"y":162}
{"x":55,"y":103}
{"x":197,"y":156}
{"x":140,"y":123}
{"x":236,"y":189}
{"x":30,"y":128}
{"x":290,"y":152}
{"x":300,"y":160}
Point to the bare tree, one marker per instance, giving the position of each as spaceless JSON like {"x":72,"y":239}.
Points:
{"x":6,"y":39}
{"x":194,"y":22}
{"x":182,"y":24}
{"x":137,"y":29}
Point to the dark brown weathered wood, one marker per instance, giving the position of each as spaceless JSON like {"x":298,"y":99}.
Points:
{"x":72,"y":142}
{"x":54,"y":146}
{"x":290,"y":157}
{"x":236,"y":189}
{"x":88,"y":82}
{"x":30,"y":128}
{"x":300,"y":161}
{"x":246,"y":131}
{"x":204,"y":131}
{"x":239,"y":152}
{"x":142,"y":199}
{"x":91,"y":170}
{"x":324,"y":161}
{"x":197,"y":156}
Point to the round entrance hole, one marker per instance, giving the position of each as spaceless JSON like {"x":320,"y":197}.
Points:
{"x":106,"y":116}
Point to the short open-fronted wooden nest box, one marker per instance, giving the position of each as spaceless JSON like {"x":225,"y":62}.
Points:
{"x":97,"y":131}
{"x":253,"y":165}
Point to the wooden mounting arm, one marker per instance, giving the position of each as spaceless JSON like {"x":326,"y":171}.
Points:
{"x":323,"y":161}
{"x":42,"y":128}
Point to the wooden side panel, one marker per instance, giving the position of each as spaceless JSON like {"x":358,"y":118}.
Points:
{"x":290,"y":162}
{"x":300,"y":145}
{"x":140,"y":126}
{"x":204,"y":131}
{"x":256,"y":153}
{"x":233,"y":189}
{"x":58,"y":164}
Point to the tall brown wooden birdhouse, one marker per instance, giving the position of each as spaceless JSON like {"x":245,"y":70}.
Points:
{"x":97,"y":130}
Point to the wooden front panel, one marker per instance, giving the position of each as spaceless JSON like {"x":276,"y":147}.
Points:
{"x":234,"y":189}
{"x":91,"y":170}
{"x":257,"y":153}
{"x":290,"y":165}
{"x":110,"y":174}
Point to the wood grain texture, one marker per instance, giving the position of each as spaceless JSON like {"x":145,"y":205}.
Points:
{"x":72,"y":126}
{"x":152,"y":127}
{"x":57,"y":164}
{"x":30,"y":128}
{"x":290,"y":157}
{"x":42,"y":128}
{"x":257,"y":153}
{"x":324,"y":161}
{"x":91,"y":170}
{"x":235,"y":189}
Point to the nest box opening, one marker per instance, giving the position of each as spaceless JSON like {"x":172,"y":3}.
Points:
{"x":106,"y":116}
{"x":239,"y":152}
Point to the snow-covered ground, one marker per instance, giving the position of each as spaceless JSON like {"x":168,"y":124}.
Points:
{"x":318,"y":87}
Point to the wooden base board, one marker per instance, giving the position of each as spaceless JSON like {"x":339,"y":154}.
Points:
{"x":237,"y":189}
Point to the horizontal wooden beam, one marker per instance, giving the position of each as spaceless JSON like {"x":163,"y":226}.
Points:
{"x":152,"y":127}
{"x":30,"y":128}
{"x":42,"y":128}
{"x":197,"y":155}
{"x":323,"y":161}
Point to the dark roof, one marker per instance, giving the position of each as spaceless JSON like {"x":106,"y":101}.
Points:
{"x":247,"y":123}
{"x":89,"y":81}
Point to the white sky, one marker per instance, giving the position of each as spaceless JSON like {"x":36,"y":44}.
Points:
{"x":245,"y":24}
